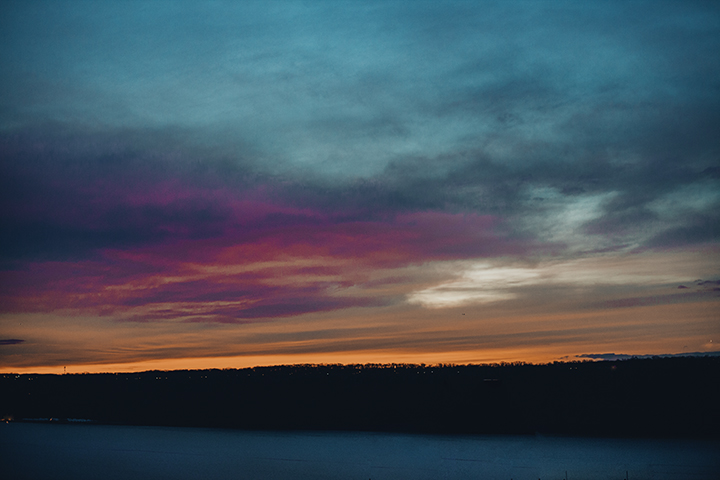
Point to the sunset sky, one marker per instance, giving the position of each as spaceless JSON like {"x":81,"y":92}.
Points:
{"x":226,"y":184}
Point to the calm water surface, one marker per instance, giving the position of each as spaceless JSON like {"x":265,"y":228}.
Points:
{"x":43,"y":451}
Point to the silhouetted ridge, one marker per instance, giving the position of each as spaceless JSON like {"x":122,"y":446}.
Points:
{"x":637,"y":397}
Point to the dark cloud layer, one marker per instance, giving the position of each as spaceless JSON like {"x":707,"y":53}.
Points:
{"x":621,"y":356}
{"x":508,"y":105}
{"x":60,"y":203}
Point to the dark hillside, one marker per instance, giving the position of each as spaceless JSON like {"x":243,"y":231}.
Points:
{"x":639,"y":397}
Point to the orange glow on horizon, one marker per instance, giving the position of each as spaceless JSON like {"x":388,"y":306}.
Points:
{"x":526,"y":355}
{"x":460,"y":358}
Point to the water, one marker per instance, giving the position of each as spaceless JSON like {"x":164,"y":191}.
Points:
{"x":44,"y":451}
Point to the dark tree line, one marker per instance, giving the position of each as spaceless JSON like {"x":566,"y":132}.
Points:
{"x":638,"y":397}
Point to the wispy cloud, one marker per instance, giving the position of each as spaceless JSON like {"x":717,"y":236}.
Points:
{"x":621,"y":356}
{"x":591,"y":277}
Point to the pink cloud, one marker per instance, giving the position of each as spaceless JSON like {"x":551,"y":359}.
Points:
{"x":219,"y":255}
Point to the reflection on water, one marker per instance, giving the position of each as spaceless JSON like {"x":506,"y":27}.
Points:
{"x":37,"y":451}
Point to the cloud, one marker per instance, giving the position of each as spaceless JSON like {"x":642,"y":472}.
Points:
{"x":621,"y":356}
{"x":96,"y":209}
{"x":10,"y":341}
{"x":593,"y":277}
{"x":259,"y":258}
{"x":708,"y":284}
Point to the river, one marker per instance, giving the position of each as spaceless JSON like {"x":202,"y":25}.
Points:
{"x":77,"y":452}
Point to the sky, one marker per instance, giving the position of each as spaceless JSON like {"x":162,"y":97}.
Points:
{"x":228,"y":184}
